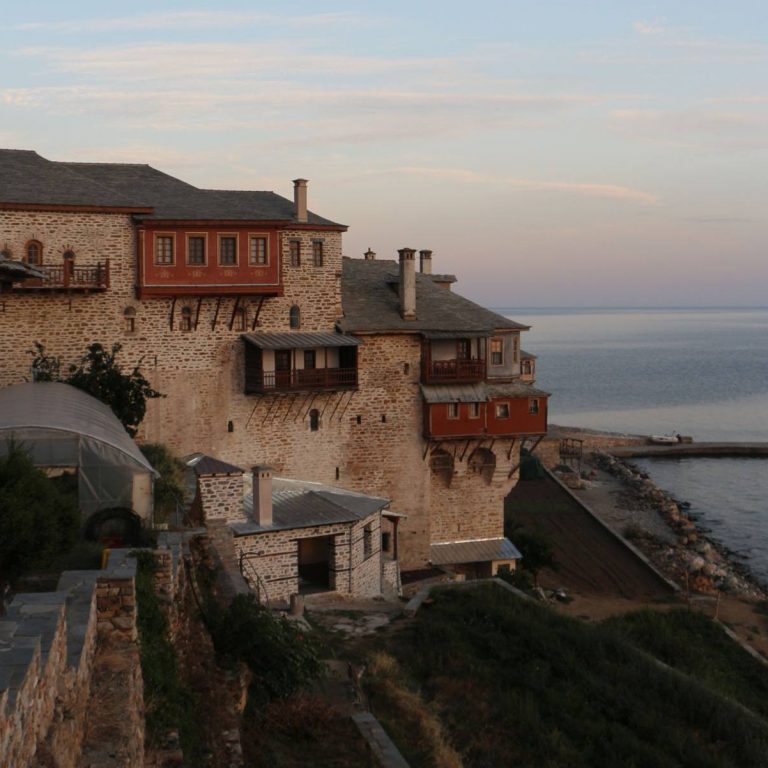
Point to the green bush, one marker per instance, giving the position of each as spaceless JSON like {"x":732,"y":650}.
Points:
{"x":37,"y":520}
{"x":282,"y":657}
{"x":99,"y":374}
{"x":169,"y":487}
{"x":169,"y":704}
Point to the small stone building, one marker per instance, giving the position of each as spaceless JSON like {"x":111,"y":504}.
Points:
{"x":297,"y":537}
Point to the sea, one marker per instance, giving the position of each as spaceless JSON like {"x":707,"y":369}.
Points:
{"x":695,"y":371}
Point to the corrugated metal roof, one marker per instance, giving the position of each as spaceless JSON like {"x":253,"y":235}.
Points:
{"x":60,"y":407}
{"x":454,"y":393}
{"x":474,"y":551}
{"x":299,"y":340}
{"x":299,"y":504}
{"x":456,"y":334}
{"x":514,"y":388}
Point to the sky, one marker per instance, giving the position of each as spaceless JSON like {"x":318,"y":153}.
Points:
{"x":550,"y":153}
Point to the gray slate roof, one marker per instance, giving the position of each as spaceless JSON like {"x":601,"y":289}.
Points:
{"x":301,"y":504}
{"x":208,"y":465}
{"x":13,"y":271}
{"x":299,"y":340}
{"x":474,"y":551}
{"x":371,"y":305}
{"x":25,"y":177}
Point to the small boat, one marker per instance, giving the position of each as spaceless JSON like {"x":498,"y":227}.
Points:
{"x":665,"y":439}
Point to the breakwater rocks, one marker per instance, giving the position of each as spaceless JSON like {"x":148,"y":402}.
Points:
{"x":687,"y":557}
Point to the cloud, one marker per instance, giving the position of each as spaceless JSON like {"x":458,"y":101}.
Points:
{"x":654,"y":27}
{"x":594,"y":190}
{"x":193,"y":20}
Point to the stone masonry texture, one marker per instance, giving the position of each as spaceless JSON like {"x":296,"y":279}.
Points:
{"x":369,"y":439}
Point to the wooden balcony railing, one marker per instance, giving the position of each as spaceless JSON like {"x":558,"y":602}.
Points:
{"x":91,"y":277}
{"x":306,"y":379}
{"x":454,"y":370}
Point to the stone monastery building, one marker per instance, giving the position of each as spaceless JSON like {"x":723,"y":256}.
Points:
{"x":273,"y":348}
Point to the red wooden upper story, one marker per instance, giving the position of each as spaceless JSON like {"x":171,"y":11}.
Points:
{"x":208,"y":260}
{"x":486,"y":409}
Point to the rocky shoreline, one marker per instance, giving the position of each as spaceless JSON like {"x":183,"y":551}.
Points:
{"x":687,"y":556}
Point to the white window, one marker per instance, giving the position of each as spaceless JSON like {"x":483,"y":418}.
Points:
{"x":453,"y":410}
{"x":502,"y":410}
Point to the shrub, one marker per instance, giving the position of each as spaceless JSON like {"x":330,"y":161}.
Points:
{"x":169,"y":487}
{"x":37,"y":521}
{"x":281,"y":657}
{"x":99,"y":374}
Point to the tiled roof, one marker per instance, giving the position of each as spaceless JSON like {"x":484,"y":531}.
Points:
{"x":27,"y":178}
{"x":371,"y":304}
{"x":474,"y":551}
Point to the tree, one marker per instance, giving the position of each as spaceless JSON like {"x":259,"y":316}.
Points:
{"x":537,"y":552}
{"x":37,"y":521}
{"x":99,"y":374}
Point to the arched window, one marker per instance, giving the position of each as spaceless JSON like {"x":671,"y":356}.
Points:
{"x":186,"y":319}
{"x":129,"y":319}
{"x":34,"y":252}
{"x":441,"y":464}
{"x":241,"y":319}
{"x":69,"y":255}
{"x":294,"y":317}
{"x":482,"y":462}
{"x":314,"y":419}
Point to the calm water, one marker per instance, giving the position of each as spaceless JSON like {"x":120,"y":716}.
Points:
{"x":700,"y":372}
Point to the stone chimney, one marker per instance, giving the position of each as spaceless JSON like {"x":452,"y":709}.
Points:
{"x":369,"y":255}
{"x":407,"y":283}
{"x":262,"y":495}
{"x":425,"y":262}
{"x":300,"y":200}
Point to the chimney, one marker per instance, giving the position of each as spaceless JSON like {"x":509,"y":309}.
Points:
{"x":300,"y":200}
{"x":369,"y":255}
{"x":262,"y":495}
{"x":407,"y":283}
{"x":425,"y":262}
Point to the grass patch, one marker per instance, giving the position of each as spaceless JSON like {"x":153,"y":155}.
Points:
{"x":303,"y":730}
{"x":513,"y":683}
{"x":406,"y":717}
{"x":695,"y":645}
{"x":169,"y":704}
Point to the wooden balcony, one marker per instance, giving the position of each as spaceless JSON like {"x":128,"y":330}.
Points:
{"x":68,"y":277}
{"x":453,"y":371}
{"x":301,"y":380}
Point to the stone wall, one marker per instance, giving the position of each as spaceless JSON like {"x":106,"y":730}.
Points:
{"x":548,"y":449}
{"x":50,"y":642}
{"x":58,"y":649}
{"x":274,"y":556}
{"x":368,"y":440}
{"x":221,"y":496}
